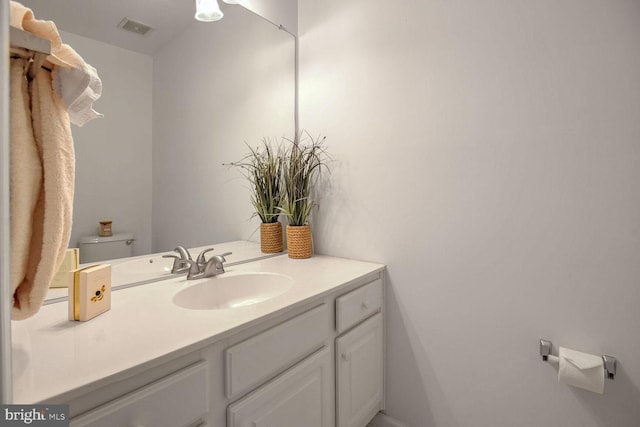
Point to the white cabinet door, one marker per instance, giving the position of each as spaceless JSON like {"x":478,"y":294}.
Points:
{"x":178,"y":400}
{"x":359,"y":366}
{"x":299,"y":397}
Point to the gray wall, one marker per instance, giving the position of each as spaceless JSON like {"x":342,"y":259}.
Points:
{"x":113,"y":153}
{"x":212,"y":93}
{"x":488,"y":152}
{"x":202,"y":96}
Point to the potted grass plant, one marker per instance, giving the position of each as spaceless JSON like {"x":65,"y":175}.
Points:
{"x":262,"y":166}
{"x":304,"y":161}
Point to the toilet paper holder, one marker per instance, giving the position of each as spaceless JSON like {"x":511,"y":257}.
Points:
{"x":609,"y":361}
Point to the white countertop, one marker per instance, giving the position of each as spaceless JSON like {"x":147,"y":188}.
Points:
{"x":52,"y":355}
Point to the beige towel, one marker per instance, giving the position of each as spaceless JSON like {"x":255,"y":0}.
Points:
{"x":76,"y":81}
{"x":26,"y":172}
{"x":41,"y":186}
{"x":61,"y":54}
{"x":52,"y":214}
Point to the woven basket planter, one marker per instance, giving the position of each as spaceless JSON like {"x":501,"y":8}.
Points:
{"x":299,"y":241}
{"x":271,"y":238}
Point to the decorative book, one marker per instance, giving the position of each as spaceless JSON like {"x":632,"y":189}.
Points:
{"x":90,"y":293}
{"x":63,"y":278}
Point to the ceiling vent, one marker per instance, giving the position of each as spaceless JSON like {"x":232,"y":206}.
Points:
{"x":135,"y":26}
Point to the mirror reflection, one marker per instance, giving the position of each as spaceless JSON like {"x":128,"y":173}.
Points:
{"x":177,"y":103}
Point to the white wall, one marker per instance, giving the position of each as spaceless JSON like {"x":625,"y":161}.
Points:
{"x":488,"y":153}
{"x":282,"y":12}
{"x":212,"y":93}
{"x":113,"y":153}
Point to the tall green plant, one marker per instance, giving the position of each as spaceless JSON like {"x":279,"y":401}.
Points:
{"x":303,"y":164}
{"x":263,"y":168}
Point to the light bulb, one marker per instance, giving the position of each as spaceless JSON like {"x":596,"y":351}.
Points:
{"x":208,"y":10}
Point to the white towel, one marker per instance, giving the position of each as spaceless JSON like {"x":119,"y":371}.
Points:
{"x":79,"y":87}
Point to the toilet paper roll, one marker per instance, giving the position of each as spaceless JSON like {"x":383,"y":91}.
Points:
{"x":582,"y":370}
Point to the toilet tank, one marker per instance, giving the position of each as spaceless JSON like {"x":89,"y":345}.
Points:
{"x":98,"y":248}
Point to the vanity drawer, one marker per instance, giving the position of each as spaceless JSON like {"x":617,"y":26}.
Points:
{"x":357,"y":305}
{"x":259,"y":358}
{"x":177,"y":400}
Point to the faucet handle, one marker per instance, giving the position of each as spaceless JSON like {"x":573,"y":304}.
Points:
{"x":215,"y":265}
{"x":219,"y":259}
{"x":201,"y":259}
{"x":179,"y":265}
{"x":183,"y":252}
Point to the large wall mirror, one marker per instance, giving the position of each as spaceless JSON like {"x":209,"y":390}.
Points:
{"x":177,"y":103}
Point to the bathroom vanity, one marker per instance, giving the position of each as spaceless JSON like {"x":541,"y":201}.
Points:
{"x":188,"y":353}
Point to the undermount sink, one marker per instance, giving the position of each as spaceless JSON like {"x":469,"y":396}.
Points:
{"x":229,"y":290}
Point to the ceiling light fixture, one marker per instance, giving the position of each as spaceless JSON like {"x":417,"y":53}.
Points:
{"x":208,"y":11}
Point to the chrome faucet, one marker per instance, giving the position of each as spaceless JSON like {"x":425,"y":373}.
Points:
{"x":180,"y":261}
{"x":200,"y":269}
{"x":184,"y":252}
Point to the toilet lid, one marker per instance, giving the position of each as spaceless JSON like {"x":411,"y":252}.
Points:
{"x":101,"y":239}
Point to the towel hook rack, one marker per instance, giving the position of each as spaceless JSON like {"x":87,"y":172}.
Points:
{"x":610,"y":362}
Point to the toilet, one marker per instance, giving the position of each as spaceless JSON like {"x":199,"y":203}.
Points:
{"x":98,"y":248}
